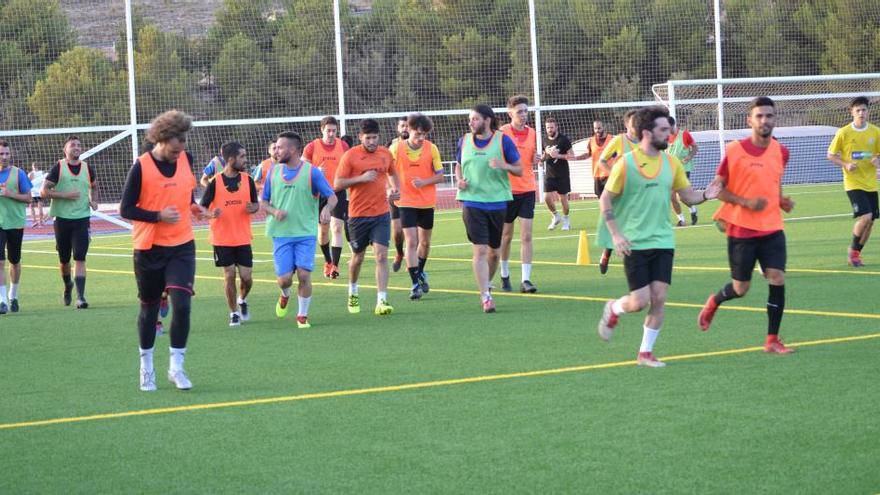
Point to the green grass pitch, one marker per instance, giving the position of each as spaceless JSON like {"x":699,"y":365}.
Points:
{"x":439,"y":397}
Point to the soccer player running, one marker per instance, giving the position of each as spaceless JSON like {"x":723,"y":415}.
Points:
{"x":36,"y":176}
{"x":231,"y":199}
{"x":635,"y":218}
{"x":419,"y":170}
{"x":291,"y":196}
{"x":683,"y":147}
{"x":485,"y":158}
{"x":15,"y":194}
{"x":325,"y":154}
{"x":751,"y":176}
{"x":158,"y":198}
{"x":396,"y":226}
{"x":523,"y":185}
{"x":72,"y":188}
{"x":366,"y":171}
{"x":619,"y":145}
{"x":557,"y":180}
{"x":856,"y":150}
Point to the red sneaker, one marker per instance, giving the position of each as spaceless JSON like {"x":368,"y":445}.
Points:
{"x":707,"y":313}
{"x":648,"y":360}
{"x":775,"y":346}
{"x":607,"y":322}
{"x":334,"y":271}
{"x":603,"y":261}
{"x":489,"y":306}
{"x":328,"y":269}
{"x":855,"y":258}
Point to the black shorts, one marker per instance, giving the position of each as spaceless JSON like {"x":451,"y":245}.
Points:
{"x":234,"y":255}
{"x":561,"y":185}
{"x":768,"y":250}
{"x":483,"y":226}
{"x":340,"y":211}
{"x":369,"y":230}
{"x":417,"y":217}
{"x":10,"y":242}
{"x":863,"y":203}
{"x":522,"y":206}
{"x":395,"y":211}
{"x":36,"y":200}
{"x":648,"y":265}
{"x":164,"y":267}
{"x":72,"y":235}
{"x":599,"y":185}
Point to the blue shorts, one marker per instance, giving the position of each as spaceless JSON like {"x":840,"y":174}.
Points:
{"x":292,"y":253}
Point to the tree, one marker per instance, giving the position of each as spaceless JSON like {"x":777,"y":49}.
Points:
{"x":242,"y":79}
{"x":161,"y":82}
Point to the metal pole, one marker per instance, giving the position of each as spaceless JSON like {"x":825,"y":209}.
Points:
{"x":670,"y":96}
{"x":132,"y":101}
{"x":718,"y":75}
{"x":340,"y":86}
{"x":536,"y":87}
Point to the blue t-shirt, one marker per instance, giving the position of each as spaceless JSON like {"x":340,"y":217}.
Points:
{"x":511,"y":155}
{"x":24,"y":184}
{"x":213,"y":165}
{"x":320,"y":186}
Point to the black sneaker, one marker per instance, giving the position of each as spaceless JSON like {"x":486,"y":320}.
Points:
{"x":505,"y":284}
{"x":693,"y":218}
{"x":527,"y":287}
{"x":245,"y":313}
{"x":13,"y":306}
{"x":81,"y":304}
{"x":234,"y":320}
{"x":416,"y":293}
{"x":3,"y":308}
{"x":68,"y":291}
{"x":423,"y":282}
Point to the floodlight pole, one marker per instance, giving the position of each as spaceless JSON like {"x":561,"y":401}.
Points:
{"x":132,"y":98}
{"x":340,"y":86}
{"x":719,"y":75}
{"x":536,"y":87}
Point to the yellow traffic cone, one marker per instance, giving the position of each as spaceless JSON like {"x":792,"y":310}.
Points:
{"x":583,"y":256}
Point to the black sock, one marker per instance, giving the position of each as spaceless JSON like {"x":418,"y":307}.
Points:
{"x":325,"y":248}
{"x":399,"y":246}
{"x":855,"y":243}
{"x":180,"y":301}
{"x":66,"y":279}
{"x":414,"y":274}
{"x":80,"y":287}
{"x":335,"y":255}
{"x":147,"y":319}
{"x":726,"y":294}
{"x":775,"y":307}
{"x":422,"y":262}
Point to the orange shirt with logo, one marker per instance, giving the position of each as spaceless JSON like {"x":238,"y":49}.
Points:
{"x":526,"y":142}
{"x":367,"y":199}
{"x":233,"y":226}
{"x":325,"y":157}
{"x":159,"y":192}
{"x":595,"y":154}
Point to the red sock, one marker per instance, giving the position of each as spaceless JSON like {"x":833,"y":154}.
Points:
{"x":771,"y":338}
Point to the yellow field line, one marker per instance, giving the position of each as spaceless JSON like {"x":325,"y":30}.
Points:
{"x":407,"y":386}
{"x":557,"y":297}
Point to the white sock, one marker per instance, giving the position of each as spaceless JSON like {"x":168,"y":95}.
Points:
{"x":381,"y":296}
{"x":681,"y":217}
{"x":556,"y":215}
{"x":284,"y":292}
{"x":693,"y":209}
{"x":147,"y":360}
{"x":175,"y":363}
{"x":505,"y":268}
{"x":13,"y":291}
{"x":241,"y":300}
{"x":565,"y":217}
{"x":648,"y":338}
{"x":617,"y":307}
{"x":353,"y":289}
{"x":526,"y":269}
{"x":303,"y":305}
{"x":3,"y":294}
{"x":485,"y":296}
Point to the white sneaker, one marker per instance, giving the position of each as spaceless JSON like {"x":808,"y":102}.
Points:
{"x":566,"y":223}
{"x":179,"y":379}
{"x":234,"y":319}
{"x":148,"y":381}
{"x":554,"y":222}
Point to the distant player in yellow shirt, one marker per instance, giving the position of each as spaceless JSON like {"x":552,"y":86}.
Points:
{"x":856,"y":150}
